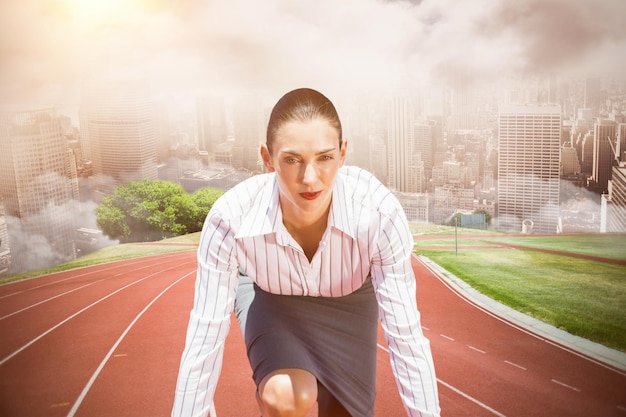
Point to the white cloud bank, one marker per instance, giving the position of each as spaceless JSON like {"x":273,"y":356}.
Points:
{"x":48,"y":47}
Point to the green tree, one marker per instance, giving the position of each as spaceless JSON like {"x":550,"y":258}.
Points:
{"x":151,"y":210}
{"x":204,"y":199}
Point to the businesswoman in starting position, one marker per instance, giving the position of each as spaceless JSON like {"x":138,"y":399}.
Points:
{"x":310,"y":256}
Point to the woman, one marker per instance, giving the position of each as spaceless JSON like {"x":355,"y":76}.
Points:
{"x":310,"y":256}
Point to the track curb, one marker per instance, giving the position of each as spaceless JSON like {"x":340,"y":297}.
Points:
{"x":611,"y":358}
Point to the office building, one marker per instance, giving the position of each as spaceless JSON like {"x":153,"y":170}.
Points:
{"x":613,"y":204}
{"x":424,"y":144}
{"x":528,"y":167}
{"x":621,"y":142}
{"x":5,"y":252}
{"x":415,"y":206}
{"x":249,"y":129}
{"x":604,"y":153}
{"x":212,"y":122}
{"x":400,"y":174}
{"x":569,"y":160}
{"x":38,"y":186}
{"x":117,"y":122}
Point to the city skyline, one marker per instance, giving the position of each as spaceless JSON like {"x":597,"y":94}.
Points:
{"x":186,"y":48}
{"x":370,"y":57}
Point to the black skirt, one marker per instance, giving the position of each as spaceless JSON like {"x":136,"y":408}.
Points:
{"x":334,"y":338}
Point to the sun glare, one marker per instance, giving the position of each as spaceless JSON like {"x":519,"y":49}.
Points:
{"x":101,"y":11}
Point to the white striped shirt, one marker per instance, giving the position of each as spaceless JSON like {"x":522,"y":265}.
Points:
{"x":367,"y":234}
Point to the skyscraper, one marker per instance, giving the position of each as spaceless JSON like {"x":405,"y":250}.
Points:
{"x":118,"y":125}
{"x":613,"y":211}
{"x":399,"y":142}
{"x":249,"y":130}
{"x":423,"y":139}
{"x":212,"y":127}
{"x":5,"y":252}
{"x":621,"y":142}
{"x":604,"y":150}
{"x":528,"y":167}
{"x":569,"y":160}
{"x":38,"y":187}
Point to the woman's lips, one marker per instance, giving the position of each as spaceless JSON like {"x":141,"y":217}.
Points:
{"x":310,"y":196}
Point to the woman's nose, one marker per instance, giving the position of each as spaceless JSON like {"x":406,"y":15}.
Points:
{"x":310,"y":174}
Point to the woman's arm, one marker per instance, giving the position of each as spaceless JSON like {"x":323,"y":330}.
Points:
{"x":209,"y":323}
{"x":409,"y":350}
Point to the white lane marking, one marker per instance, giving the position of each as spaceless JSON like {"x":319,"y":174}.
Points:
{"x":515,"y":365}
{"x":425,"y":328}
{"x":563,"y":384}
{"x":474,"y":400}
{"x":446,"y":337}
{"x":67,"y":292}
{"x":476,"y":349}
{"x":61,"y":280}
{"x":49,"y":299}
{"x":3,"y":361}
{"x":458,"y":391}
{"x":91,"y":381}
{"x":126,"y":263}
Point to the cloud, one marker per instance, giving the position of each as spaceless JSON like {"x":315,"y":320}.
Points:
{"x":48,"y":47}
{"x":561,"y":35}
{"x":31,"y":250}
{"x":46,"y":237}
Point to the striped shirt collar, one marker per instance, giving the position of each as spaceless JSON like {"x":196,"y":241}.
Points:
{"x":272,"y":222}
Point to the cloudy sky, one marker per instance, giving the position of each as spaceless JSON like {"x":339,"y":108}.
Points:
{"x":185,"y":47}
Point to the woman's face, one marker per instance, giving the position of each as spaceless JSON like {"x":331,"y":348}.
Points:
{"x":306,"y":157}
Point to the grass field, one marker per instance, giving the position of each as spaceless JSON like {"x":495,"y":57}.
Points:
{"x":586,"y":298}
{"x":583,"y":297}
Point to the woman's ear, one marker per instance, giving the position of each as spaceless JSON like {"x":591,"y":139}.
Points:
{"x":343,"y":151}
{"x":267,"y":158}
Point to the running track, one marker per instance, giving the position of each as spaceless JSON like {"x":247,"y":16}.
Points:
{"x":106,"y":341}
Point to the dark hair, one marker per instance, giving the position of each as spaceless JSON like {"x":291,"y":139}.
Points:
{"x":301,"y":105}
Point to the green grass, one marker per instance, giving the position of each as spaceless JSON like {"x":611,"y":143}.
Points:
{"x":607,"y":246}
{"x":583,"y":297}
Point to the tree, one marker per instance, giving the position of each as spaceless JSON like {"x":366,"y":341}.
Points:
{"x":151,"y":210}
{"x":204,"y":199}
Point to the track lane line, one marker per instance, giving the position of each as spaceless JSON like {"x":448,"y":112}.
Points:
{"x":50,"y":299}
{"x":95,"y":375}
{"x":515,"y":365}
{"x":563,"y":384}
{"x":70,"y":291}
{"x":475,"y":349}
{"x":94,"y":269}
{"x":472,"y":399}
{"x":458,"y":391}
{"x":3,"y":361}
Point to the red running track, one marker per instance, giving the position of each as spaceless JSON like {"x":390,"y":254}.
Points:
{"x":106,"y":341}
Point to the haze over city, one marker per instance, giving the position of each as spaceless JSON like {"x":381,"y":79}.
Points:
{"x":458,"y":61}
{"x":189,"y":47}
